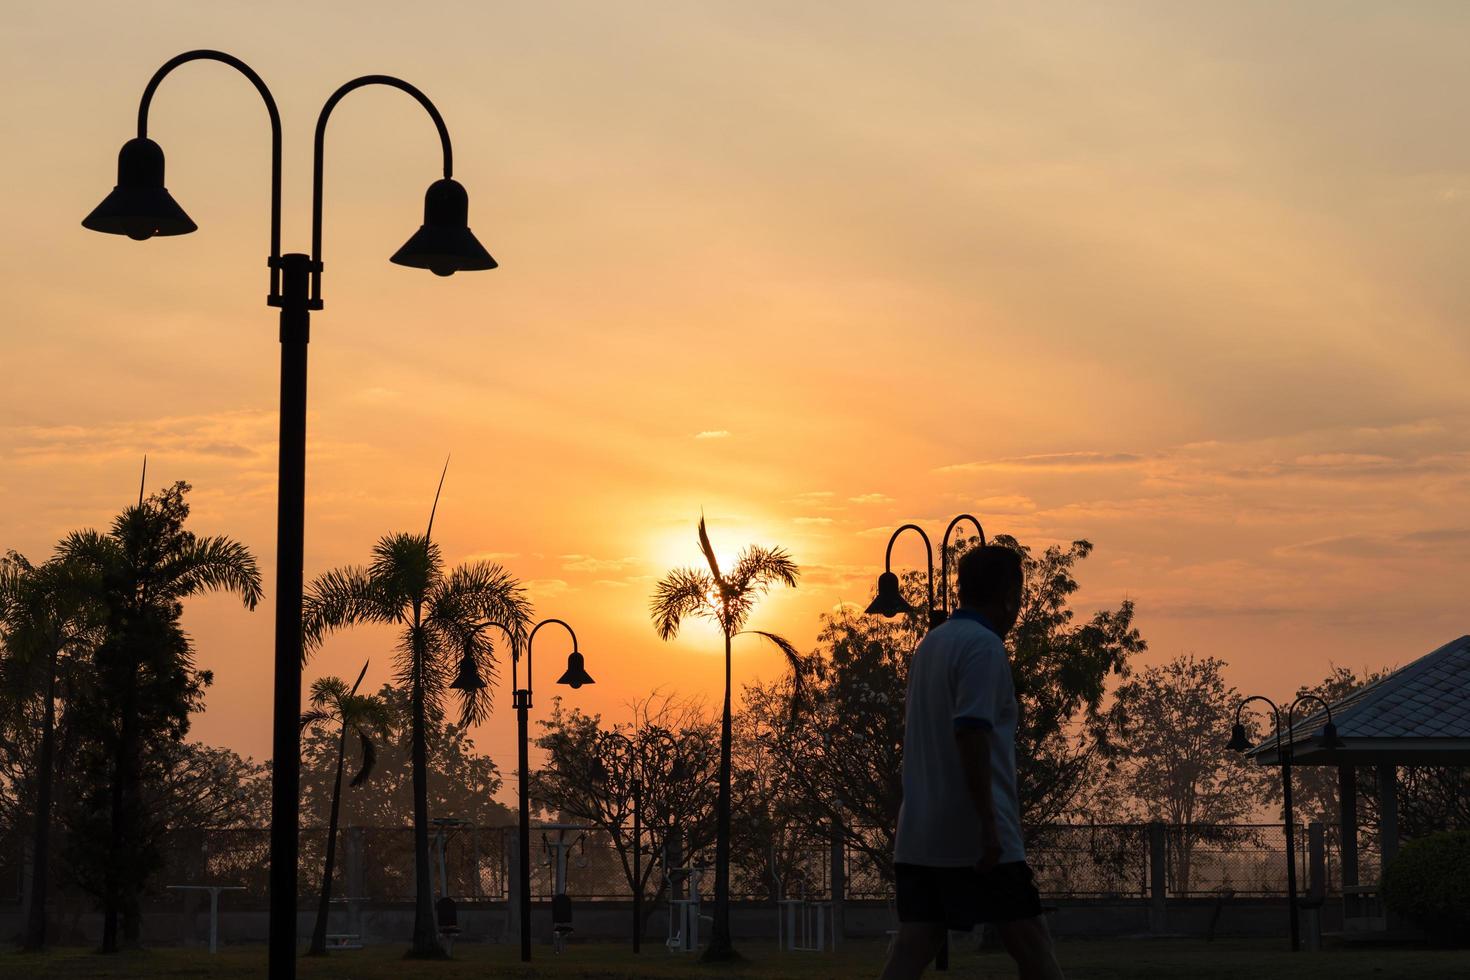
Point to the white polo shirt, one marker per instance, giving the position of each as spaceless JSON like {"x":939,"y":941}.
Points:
{"x":959,"y":678}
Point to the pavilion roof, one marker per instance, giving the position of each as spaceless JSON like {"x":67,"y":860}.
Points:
{"x":1417,"y":715}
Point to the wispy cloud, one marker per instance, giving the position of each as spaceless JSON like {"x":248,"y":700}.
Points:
{"x":713,"y":434}
{"x":811,"y":520}
{"x":870,"y":498}
{"x":1082,"y":460}
{"x":587,"y":563}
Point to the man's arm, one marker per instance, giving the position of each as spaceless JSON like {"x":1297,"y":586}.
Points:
{"x":974,"y":746}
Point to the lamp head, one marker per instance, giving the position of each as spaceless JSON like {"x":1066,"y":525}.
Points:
{"x":444,"y":243}
{"x":1329,"y":737}
{"x":139,"y":206}
{"x":576,"y":675}
{"x":468,"y":678}
{"x":1238,"y":741}
{"x":889,"y":601}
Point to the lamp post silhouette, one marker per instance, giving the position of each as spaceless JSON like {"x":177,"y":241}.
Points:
{"x":889,"y":602}
{"x":1240,"y":743}
{"x":639,"y":763}
{"x":574,"y":676}
{"x":140,"y":207}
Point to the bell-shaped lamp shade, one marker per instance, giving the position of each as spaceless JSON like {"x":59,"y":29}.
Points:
{"x":444,"y":243}
{"x":889,"y":601}
{"x":468,"y":678}
{"x":139,"y":206}
{"x":576,"y":674}
{"x":1329,"y":737}
{"x":1238,"y":741}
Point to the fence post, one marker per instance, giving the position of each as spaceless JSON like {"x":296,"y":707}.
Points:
{"x":1158,"y":880}
{"x":838,"y":875}
{"x":513,"y":885}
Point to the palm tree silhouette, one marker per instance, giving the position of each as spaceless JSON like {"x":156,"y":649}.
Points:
{"x":442,"y":618}
{"x":146,"y":565}
{"x":49,"y":618}
{"x":727,"y":600}
{"x":368,"y":716}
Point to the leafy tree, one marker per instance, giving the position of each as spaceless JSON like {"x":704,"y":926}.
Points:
{"x":442,"y":619}
{"x":334,"y":705}
{"x":727,"y":601}
{"x":49,"y":620}
{"x":589,"y":777}
{"x":1172,"y":755}
{"x":194,"y":786}
{"x":144,"y":684}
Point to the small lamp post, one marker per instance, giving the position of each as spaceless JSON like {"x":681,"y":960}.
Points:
{"x":574,"y":676}
{"x":140,"y":207}
{"x":1239,"y":742}
{"x":634,"y":760}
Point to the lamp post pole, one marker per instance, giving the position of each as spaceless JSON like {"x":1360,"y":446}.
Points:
{"x":140,"y":207}
{"x":575,"y":677}
{"x":890,"y":602}
{"x":1239,"y":743}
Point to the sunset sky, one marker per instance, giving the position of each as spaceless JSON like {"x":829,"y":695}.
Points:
{"x":1186,"y":280}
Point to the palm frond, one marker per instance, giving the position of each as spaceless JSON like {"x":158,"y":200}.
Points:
{"x":369,"y":759}
{"x":709,"y":554}
{"x":759,"y":568}
{"x":214,"y":564}
{"x":797,"y":665}
{"x":429,"y":534}
{"x":338,"y":599}
{"x":406,"y":566}
{"x":327,"y":693}
{"x":681,"y":593}
{"x":315,"y":717}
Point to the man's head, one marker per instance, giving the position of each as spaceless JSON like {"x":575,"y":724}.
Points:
{"x":990,"y":584}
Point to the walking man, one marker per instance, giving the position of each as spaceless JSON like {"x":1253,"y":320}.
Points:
{"x":959,"y":857}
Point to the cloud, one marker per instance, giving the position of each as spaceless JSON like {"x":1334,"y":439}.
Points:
{"x":871,"y":498}
{"x":545,"y":588}
{"x":811,"y":520}
{"x":1082,"y":460}
{"x":495,"y":556}
{"x":713,"y":434}
{"x":242,"y":435}
{"x":586,"y":563}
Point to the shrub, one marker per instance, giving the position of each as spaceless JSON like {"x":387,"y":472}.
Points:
{"x":1428,"y":883}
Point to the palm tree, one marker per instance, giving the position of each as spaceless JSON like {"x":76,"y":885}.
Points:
{"x":47,"y":613}
{"x":368,"y":716}
{"x":145,"y":684}
{"x":442,"y":618}
{"x":727,"y":600}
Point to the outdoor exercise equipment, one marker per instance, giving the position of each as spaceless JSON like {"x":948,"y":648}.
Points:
{"x":214,"y":891}
{"x":684,"y":917}
{"x":569,"y":836}
{"x":801,"y":925}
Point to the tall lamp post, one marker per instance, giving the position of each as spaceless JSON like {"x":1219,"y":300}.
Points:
{"x":1240,"y":743}
{"x":140,"y":207}
{"x":574,"y":677}
{"x":889,"y":602}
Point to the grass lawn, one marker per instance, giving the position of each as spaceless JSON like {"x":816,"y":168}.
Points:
{"x":1089,"y":960}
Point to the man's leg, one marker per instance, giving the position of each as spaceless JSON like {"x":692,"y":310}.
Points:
{"x":1029,"y":943}
{"x":913,"y":946}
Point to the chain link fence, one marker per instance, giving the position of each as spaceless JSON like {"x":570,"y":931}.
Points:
{"x":476,"y":864}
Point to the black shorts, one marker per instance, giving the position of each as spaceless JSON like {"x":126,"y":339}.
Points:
{"x":961,"y":897}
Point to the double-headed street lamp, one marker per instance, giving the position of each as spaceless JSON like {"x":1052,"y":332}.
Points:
{"x":638,"y":765}
{"x":890,"y":602}
{"x":574,"y":676}
{"x":1240,"y":743}
{"x":140,"y":207}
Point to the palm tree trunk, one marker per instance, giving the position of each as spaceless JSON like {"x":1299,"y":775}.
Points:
{"x":112,"y":874}
{"x":720,"y":947}
{"x":318,"y":945}
{"x":35,"y":938}
{"x":425,"y":935}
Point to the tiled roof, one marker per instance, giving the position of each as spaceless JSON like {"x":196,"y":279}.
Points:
{"x":1427,"y":699}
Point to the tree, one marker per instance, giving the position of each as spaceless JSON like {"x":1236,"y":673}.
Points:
{"x":144,"y":683}
{"x":366,"y":716}
{"x":1172,"y":755}
{"x":443,"y":622}
{"x":589,"y":777}
{"x":726,"y":600}
{"x":49,"y":619}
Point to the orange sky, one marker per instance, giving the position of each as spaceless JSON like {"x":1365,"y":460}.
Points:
{"x":1188,"y":282}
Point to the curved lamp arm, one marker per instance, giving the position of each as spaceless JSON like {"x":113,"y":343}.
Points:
{"x":944,"y":556}
{"x":530,"y":639}
{"x":1290,"y":725}
{"x":1275,"y":711}
{"x":205,"y":54}
{"x":515,"y":648}
{"x":317,"y":160}
{"x":928,"y":558}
